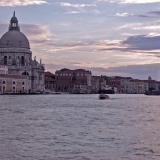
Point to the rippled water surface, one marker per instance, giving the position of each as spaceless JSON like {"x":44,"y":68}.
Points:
{"x":79,"y":127}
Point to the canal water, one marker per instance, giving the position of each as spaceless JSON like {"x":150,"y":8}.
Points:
{"x":79,"y":127}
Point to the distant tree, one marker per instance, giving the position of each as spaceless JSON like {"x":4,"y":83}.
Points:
{"x":106,"y":78}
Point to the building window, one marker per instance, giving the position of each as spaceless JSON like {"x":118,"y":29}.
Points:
{"x":25,"y":73}
{"x":14,"y":82}
{"x":4,"y":82}
{"x":22,"y":61}
{"x":5,"y":60}
{"x":23,"y":83}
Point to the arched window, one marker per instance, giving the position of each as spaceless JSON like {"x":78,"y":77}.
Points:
{"x":25,"y":74}
{"x":23,"y":83}
{"x":14,"y":82}
{"x":22,"y":61}
{"x":5,"y":60}
{"x":4,"y":82}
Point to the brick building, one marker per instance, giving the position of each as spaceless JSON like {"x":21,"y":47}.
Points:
{"x":114,"y":82}
{"x":49,"y":81}
{"x":73,"y":81}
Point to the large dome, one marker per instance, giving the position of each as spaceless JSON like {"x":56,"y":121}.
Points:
{"x":14,"y":38}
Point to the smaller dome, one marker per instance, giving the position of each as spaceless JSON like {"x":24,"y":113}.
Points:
{"x":14,"y":19}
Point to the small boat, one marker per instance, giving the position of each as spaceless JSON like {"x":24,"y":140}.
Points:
{"x":103,"y":96}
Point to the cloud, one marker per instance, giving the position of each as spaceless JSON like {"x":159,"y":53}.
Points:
{"x":130,"y":1}
{"x":155,"y":13}
{"x":143,"y":42}
{"x":73,"y":12}
{"x":65,"y":4}
{"x":152,"y":14}
{"x":78,"y":8}
{"x":21,"y":2}
{"x":141,"y":26}
{"x":123,"y":14}
{"x":138,"y":1}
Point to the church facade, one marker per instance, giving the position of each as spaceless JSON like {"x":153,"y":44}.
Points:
{"x":16,"y":54}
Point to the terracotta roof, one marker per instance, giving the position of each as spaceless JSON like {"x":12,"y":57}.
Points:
{"x":73,"y":71}
{"x":48,"y":74}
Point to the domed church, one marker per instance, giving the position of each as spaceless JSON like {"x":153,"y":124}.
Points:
{"x":16,"y":54}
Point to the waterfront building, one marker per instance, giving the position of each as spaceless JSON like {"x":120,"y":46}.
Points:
{"x":146,"y":85}
{"x":95,"y":84}
{"x":98,"y":83}
{"x":73,"y":81}
{"x":13,"y":83}
{"x":114,"y":82}
{"x":15,"y":53}
{"x":49,"y":81}
{"x":136,"y":86}
{"x":125,"y":84}
{"x":153,"y":85}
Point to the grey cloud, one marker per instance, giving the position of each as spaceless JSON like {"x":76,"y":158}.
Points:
{"x":143,"y":42}
{"x":155,"y":13}
{"x":134,"y":71}
{"x":143,"y":16}
{"x":152,"y":14}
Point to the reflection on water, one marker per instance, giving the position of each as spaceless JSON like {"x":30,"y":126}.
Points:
{"x":79,"y":127}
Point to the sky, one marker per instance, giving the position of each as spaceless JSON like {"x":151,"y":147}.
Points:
{"x":107,"y":37}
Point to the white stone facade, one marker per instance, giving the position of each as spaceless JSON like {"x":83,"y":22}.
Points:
{"x":16,"y":54}
{"x":10,"y":84}
{"x":3,"y":69}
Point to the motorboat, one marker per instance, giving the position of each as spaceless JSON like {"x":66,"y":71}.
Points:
{"x":103,"y":96}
